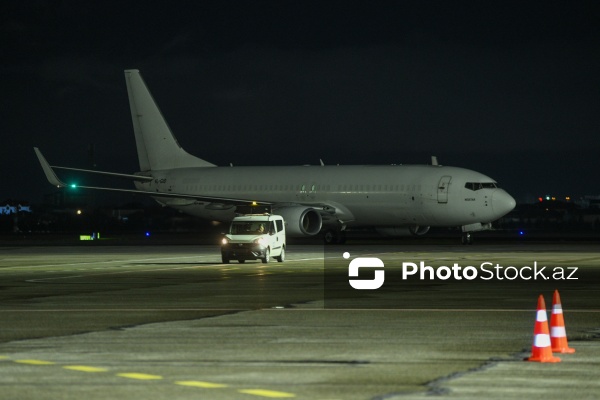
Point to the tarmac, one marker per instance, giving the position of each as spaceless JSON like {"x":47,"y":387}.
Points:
{"x":159,"y":322}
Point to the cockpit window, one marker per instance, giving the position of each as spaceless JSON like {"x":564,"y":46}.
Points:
{"x":480,"y":185}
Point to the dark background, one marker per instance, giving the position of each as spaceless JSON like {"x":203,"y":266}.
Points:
{"x":510,"y":89}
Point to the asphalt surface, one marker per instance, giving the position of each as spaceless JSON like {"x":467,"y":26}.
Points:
{"x":155,"y":322}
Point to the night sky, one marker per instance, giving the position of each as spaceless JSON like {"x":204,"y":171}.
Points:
{"x":509,"y":89}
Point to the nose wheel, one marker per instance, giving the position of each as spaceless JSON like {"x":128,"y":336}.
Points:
{"x":466,"y":238}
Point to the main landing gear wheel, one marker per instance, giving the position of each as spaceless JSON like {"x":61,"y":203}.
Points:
{"x":334,"y":237}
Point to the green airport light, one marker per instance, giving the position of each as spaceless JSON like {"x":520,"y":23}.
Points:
{"x":73,"y":185}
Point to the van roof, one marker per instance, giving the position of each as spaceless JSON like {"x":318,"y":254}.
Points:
{"x":257,"y":217}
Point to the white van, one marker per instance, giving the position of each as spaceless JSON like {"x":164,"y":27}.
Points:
{"x":254,"y":237}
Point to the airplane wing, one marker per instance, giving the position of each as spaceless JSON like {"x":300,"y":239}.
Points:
{"x":54,"y":180}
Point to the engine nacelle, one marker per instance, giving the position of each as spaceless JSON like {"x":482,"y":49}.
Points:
{"x":300,"y":221}
{"x":401,"y":231}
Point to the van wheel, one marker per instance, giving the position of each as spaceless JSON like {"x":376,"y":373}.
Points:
{"x":281,"y":257}
{"x":267,"y":257}
{"x":241,"y":261}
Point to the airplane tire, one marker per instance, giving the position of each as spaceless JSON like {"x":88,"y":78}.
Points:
{"x":334,"y":237}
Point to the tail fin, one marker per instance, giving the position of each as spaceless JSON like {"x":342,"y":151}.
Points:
{"x":156,"y":146}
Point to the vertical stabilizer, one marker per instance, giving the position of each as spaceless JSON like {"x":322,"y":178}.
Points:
{"x":156,"y":146}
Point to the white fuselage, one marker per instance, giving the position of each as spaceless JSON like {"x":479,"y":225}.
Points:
{"x":396,"y":195}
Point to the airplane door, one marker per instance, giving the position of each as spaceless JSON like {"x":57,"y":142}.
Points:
{"x":442,"y":192}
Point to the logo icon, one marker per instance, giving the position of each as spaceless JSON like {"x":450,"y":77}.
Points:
{"x":365,"y":262}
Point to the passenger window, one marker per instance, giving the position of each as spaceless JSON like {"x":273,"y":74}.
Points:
{"x":279,"y":225}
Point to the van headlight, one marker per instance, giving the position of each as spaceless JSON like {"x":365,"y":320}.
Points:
{"x":260,"y":242}
{"x":224,"y":241}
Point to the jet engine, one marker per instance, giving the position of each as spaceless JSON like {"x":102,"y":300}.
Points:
{"x":301,"y":221}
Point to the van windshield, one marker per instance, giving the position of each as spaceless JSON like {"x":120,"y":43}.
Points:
{"x":249,"y":228}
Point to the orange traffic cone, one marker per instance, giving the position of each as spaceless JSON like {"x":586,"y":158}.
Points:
{"x":558,"y":334}
{"x":541,"y":350}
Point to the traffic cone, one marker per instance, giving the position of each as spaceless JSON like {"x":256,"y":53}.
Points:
{"x":541,"y":351}
{"x":558,"y":334}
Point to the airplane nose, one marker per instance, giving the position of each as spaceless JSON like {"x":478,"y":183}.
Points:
{"x":502,"y":203}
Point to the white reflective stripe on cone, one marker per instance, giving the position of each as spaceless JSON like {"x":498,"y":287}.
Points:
{"x":558,"y":331}
{"x":541,"y":316}
{"x":542,"y":340}
{"x":557,"y":309}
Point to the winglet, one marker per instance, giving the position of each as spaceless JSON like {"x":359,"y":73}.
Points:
{"x":50,"y":175}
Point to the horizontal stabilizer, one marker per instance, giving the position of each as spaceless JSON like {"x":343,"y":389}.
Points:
{"x":53,"y":179}
{"x":208,"y":199}
{"x":141,"y":178}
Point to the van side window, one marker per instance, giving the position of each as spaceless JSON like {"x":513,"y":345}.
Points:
{"x":271,"y":228}
{"x":279,"y":225}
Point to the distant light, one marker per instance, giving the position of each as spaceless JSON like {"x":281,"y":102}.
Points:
{"x":521,"y":233}
{"x":147,"y":234}
{"x":547,"y":197}
{"x":553,"y":198}
{"x":78,"y":212}
{"x":568,"y":198}
{"x":541,"y":199}
{"x":73,"y":185}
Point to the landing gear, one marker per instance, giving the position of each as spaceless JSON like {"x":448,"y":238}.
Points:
{"x":466,"y":238}
{"x":334,"y":237}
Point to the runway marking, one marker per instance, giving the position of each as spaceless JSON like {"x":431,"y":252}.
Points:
{"x":84,"y":368}
{"x":143,"y":377}
{"x":267,"y":393}
{"x":201,"y":384}
{"x":149,"y":377}
{"x":125,"y":261}
{"x":35,"y":362}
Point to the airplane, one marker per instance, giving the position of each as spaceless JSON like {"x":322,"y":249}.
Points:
{"x":395,"y":200}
